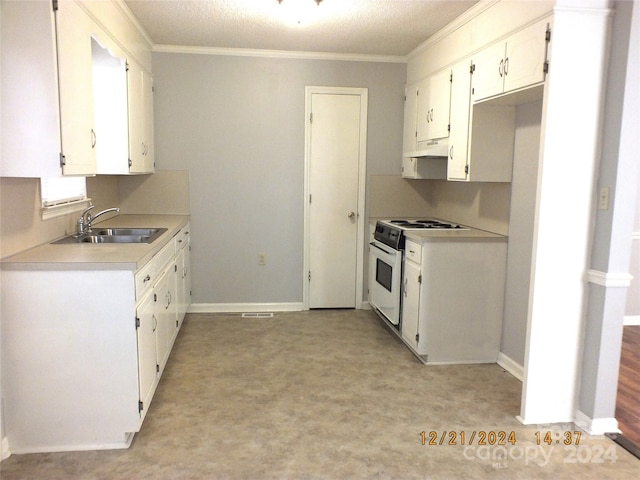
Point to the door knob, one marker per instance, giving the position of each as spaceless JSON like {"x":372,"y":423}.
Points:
{"x":351,"y":214}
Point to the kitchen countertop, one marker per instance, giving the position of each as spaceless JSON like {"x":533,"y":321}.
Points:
{"x":436,"y":234}
{"x":88,"y":256}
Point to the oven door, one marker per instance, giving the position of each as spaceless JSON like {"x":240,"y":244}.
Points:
{"x":385,"y":265}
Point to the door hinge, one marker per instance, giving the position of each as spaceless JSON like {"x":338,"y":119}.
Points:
{"x":420,"y":278}
{"x":63,"y":160}
{"x":155,"y":297}
{"x":157,"y":368}
{"x":547,"y":35}
{"x":175,"y":268}
{"x":417,"y":337}
{"x":545,"y":68}
{"x":137,"y":322}
{"x":54,"y":4}
{"x":311,"y":117}
{"x":309,"y":199}
{"x":177,"y":324}
{"x":309,"y":275}
{"x":451,"y":77}
{"x":472,"y":68}
{"x":449,"y":128}
{"x":130,"y":163}
{"x":126,"y":66}
{"x":140,"y":406}
{"x":466,"y":169}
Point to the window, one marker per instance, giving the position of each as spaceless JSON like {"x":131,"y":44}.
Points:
{"x":63,"y":195}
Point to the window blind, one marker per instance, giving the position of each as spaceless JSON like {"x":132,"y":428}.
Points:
{"x":62,"y":190}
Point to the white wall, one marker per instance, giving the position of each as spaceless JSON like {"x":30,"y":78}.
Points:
{"x":237,"y":125}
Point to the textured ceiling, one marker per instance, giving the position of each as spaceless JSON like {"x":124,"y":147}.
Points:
{"x":365,"y":27}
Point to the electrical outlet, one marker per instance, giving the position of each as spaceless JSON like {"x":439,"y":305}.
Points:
{"x":262,"y":259}
{"x":603,"y":198}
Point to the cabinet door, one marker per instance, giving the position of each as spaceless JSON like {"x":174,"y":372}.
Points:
{"x":411,"y":303}
{"x":410,"y":116}
{"x":140,"y":94}
{"x":147,"y":360}
{"x":439,"y":101}
{"x":423,"y":111}
{"x":525,"y":57}
{"x":78,"y":136}
{"x":460,"y":111}
{"x":488,"y":74}
{"x":165,"y":317}
{"x":110,"y":108}
{"x":147,"y":110}
{"x":30,"y":107}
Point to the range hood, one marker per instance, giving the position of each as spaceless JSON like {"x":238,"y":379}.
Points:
{"x":431,"y":149}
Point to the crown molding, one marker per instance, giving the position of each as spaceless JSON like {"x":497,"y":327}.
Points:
{"x":246,"y":52}
{"x":452,"y":26}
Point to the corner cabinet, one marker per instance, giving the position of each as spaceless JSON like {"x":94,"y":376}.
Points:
{"x":83,"y":350}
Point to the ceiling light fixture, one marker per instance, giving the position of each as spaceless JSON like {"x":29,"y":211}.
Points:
{"x":318,"y":2}
{"x":299,"y":12}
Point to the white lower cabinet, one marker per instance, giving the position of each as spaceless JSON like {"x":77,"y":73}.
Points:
{"x":83,"y":351}
{"x":453,"y":295}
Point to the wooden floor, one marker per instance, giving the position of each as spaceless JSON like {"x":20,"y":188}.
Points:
{"x":628,"y":403}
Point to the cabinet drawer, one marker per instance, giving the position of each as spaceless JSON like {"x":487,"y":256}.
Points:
{"x":413,"y":251}
{"x":183,"y":237}
{"x":144,"y":279}
{"x":164,"y":256}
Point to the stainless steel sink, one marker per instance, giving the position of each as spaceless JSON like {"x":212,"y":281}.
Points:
{"x":129,"y":231}
{"x":116,"y":235}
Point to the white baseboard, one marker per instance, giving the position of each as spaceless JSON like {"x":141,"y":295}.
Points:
{"x":5,"y":452}
{"x":632,"y":320}
{"x":244,"y":307}
{"x":511,"y":366}
{"x":596,"y":426}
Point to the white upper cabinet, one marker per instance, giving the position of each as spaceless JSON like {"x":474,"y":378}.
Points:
{"x":78,"y":135}
{"x":433,"y":108}
{"x":457,"y":166}
{"x":110,"y":109}
{"x":66,"y":107}
{"x":512,"y":64}
{"x":30,"y":111}
{"x":410,"y":117}
{"x":140,"y":95}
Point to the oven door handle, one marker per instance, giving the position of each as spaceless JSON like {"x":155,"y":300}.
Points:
{"x":380,"y":248}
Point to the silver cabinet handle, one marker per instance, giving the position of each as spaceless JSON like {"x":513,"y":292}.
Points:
{"x":351,"y":214}
{"x":146,"y":279}
{"x":93,"y":138}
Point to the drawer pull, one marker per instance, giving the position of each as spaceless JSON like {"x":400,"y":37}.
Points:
{"x":146,"y":279}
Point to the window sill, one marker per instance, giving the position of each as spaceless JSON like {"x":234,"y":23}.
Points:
{"x":55,"y":211}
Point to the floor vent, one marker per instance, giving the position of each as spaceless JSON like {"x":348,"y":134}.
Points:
{"x":257,"y":315}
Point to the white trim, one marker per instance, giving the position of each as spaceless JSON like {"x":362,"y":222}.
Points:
{"x":452,"y":26}
{"x":631,"y":320}
{"x":244,"y":307}
{"x":511,"y":366}
{"x":635,"y":235}
{"x":6,"y":453}
{"x":362,"y":179}
{"x":596,"y":426}
{"x":264,"y":53}
{"x":54,"y":211}
{"x":610,"y":280}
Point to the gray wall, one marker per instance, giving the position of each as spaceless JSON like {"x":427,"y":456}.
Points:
{"x":237,"y":124}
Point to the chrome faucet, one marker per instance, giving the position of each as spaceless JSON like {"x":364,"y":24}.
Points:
{"x":83,"y":225}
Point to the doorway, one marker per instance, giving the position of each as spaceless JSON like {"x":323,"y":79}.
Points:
{"x":334,"y":197}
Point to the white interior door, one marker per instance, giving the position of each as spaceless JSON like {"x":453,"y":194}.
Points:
{"x":334,"y":167}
